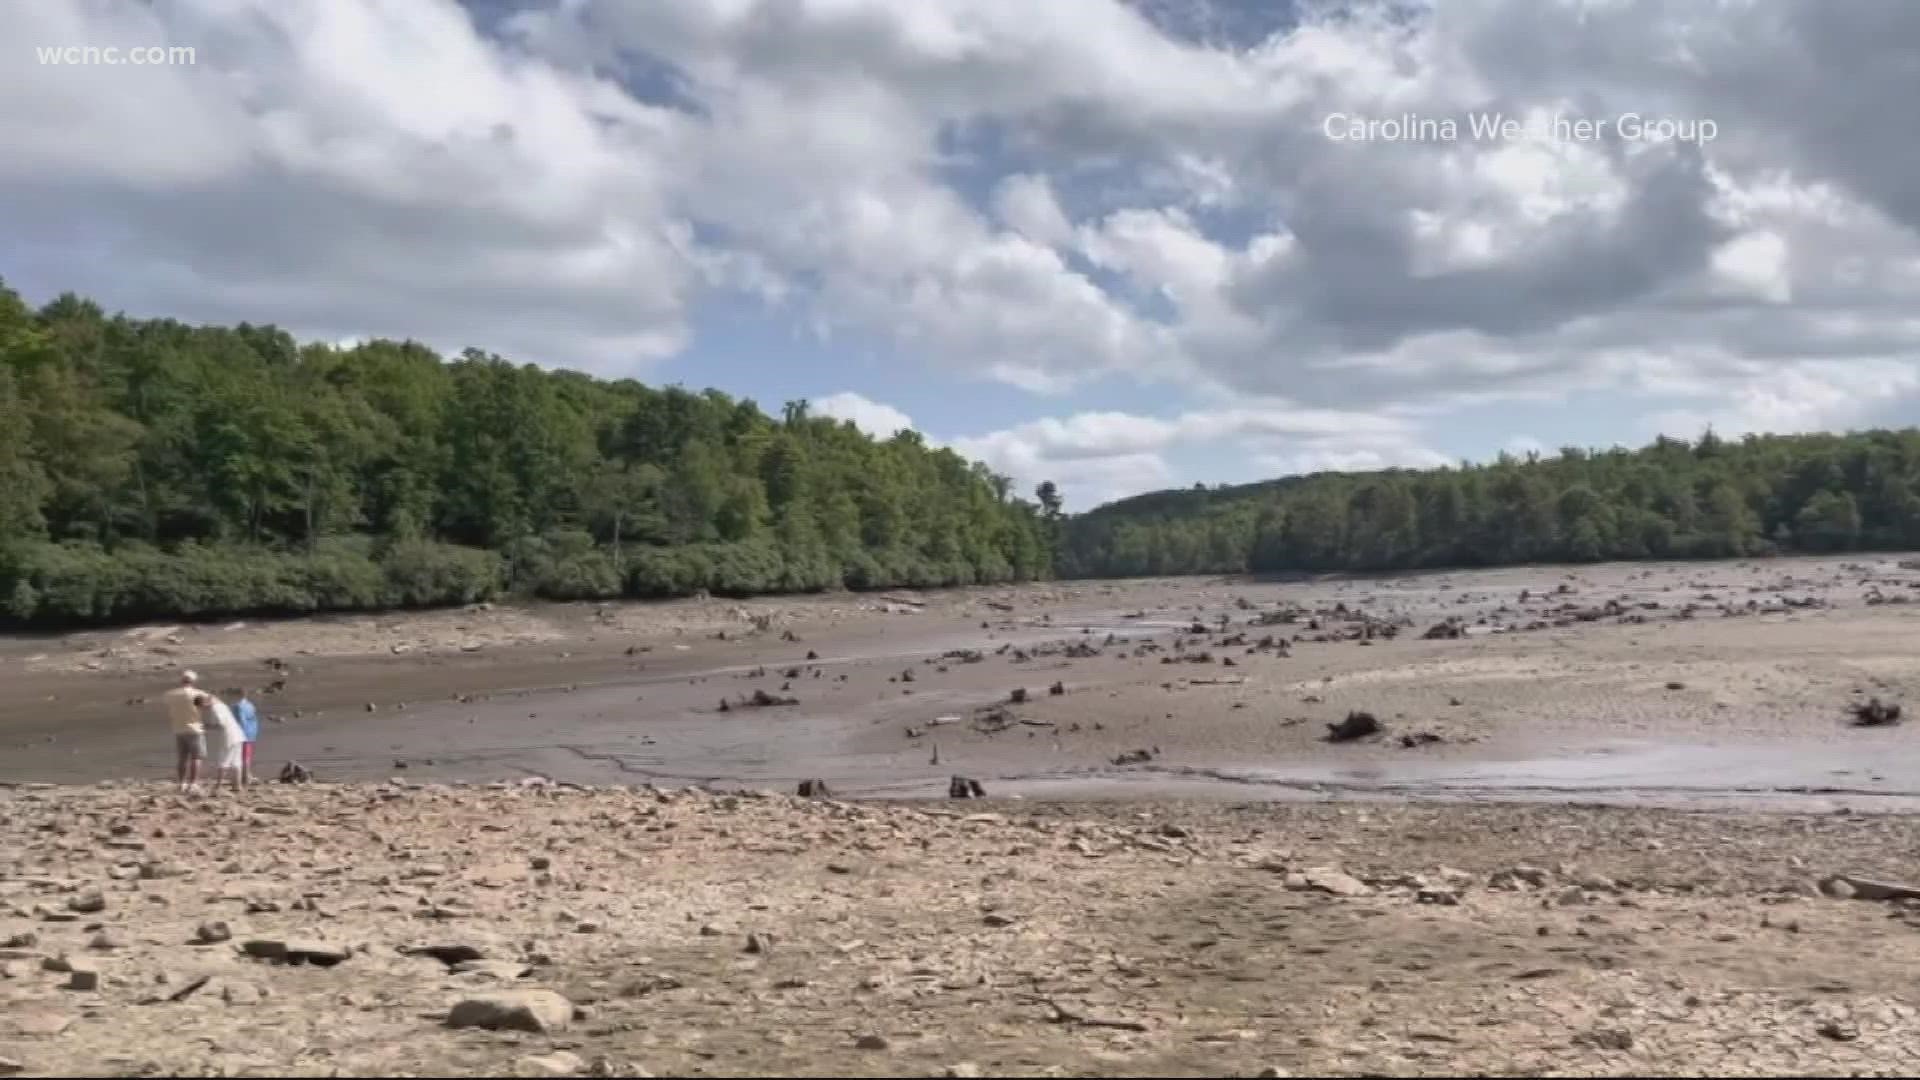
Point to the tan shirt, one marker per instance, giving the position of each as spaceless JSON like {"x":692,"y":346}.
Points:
{"x":181,"y":712}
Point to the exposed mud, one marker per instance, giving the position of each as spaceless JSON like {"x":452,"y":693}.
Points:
{"x":1629,"y":682}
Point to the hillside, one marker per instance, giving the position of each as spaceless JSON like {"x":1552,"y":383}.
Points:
{"x":150,"y":469}
{"x":1713,"y":498}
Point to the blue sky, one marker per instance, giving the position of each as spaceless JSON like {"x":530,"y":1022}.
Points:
{"x":1111,"y":244}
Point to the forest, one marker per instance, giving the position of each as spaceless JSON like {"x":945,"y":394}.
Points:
{"x":150,"y":469}
{"x":1674,"y":499}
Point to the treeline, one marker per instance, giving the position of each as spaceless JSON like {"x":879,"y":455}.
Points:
{"x":152,"y":469}
{"x":1712,"y":498}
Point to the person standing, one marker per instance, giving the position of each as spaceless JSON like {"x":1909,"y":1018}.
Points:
{"x":232,"y":741}
{"x":189,"y":736}
{"x":249,"y":718}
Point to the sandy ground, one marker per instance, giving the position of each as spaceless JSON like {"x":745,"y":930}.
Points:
{"x":1488,"y":886}
{"x":691,"y":934}
{"x":1686,"y":679}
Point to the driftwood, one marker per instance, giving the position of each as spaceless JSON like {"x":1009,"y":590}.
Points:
{"x":1874,"y":713}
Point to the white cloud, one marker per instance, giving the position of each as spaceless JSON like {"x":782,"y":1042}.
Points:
{"x":1098,"y":456}
{"x":875,"y":418}
{"x":1815,"y":396}
{"x":1048,"y":196}
{"x":1026,"y":204}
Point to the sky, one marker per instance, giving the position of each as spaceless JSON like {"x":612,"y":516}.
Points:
{"x":1117,"y":244}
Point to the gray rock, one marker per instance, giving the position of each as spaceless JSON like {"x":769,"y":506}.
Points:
{"x":451,"y":953}
{"x":504,"y":970}
{"x":83,"y":977}
{"x":537,"y":1011}
{"x":558,"y":1063}
{"x":212,"y":933}
{"x":1848,"y":887}
{"x":1520,"y":877}
{"x":88,"y":902}
{"x":1605,"y":1038}
{"x":297,"y":951}
{"x":235,"y":992}
{"x":38,"y":1023}
{"x":1326,"y":879}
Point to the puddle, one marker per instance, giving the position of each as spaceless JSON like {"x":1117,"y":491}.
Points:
{"x":1784,"y":774}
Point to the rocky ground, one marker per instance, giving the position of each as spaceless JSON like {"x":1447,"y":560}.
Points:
{"x":533,"y":928}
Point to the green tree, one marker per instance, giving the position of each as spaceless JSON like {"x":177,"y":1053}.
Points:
{"x":1830,"y":521}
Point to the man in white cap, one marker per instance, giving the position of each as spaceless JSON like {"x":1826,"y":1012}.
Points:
{"x":189,"y":735}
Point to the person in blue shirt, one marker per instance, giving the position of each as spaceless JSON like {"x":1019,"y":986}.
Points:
{"x":249,"y":719}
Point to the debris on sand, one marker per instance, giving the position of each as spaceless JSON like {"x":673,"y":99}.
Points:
{"x":295,"y":773}
{"x":1874,"y":713}
{"x":1057,"y":689}
{"x":297,"y":952}
{"x":1421,"y":738}
{"x":1135,"y":757}
{"x":1077,"y":1018}
{"x":965,"y":787}
{"x":1444,"y":630}
{"x":1018,"y":696}
{"x":993,"y":720}
{"x":814,"y":789}
{"x":760,"y":699}
{"x":1848,"y":887}
{"x":1358,"y":725}
{"x":535,"y":1011}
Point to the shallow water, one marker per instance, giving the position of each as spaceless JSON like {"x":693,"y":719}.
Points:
{"x":1637,"y":773}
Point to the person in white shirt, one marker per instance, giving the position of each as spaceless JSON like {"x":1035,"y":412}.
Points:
{"x":232,"y":740}
{"x":189,"y":737}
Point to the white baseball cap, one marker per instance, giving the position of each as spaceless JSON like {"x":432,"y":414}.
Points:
{"x":189,"y":676}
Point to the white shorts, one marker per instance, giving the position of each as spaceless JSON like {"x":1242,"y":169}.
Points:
{"x":230,"y":754}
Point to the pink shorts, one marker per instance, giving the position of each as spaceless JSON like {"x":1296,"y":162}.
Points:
{"x":246,"y":754}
